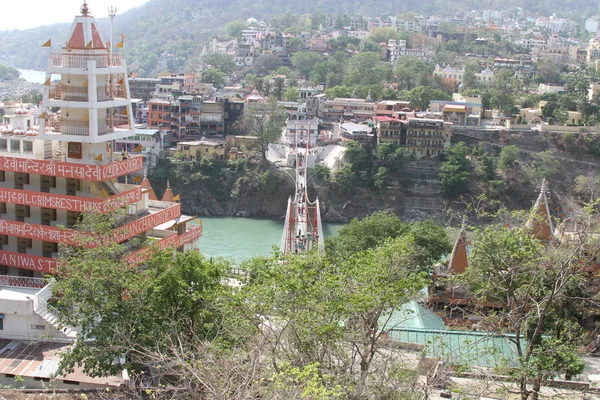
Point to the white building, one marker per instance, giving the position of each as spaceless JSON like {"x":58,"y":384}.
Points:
{"x":147,"y":142}
{"x":485,"y":77}
{"x":592,"y":24}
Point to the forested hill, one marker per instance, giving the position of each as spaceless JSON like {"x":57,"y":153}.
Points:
{"x":180,"y":27}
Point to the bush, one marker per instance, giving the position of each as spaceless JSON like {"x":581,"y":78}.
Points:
{"x":508,"y":156}
{"x":454,"y":173}
{"x":322,"y":171}
{"x":345,"y":179}
{"x":545,"y":165}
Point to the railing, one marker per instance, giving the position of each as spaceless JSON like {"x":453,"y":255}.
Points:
{"x":80,"y":61}
{"x":22,"y":281}
{"x":68,"y":93}
{"x":119,"y":122}
{"x":78,"y":128}
{"x":102,"y":94}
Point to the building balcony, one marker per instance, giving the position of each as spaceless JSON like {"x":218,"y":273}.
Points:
{"x":77,"y":128}
{"x":22,"y":281}
{"x":67,"y":60}
{"x":68,"y":93}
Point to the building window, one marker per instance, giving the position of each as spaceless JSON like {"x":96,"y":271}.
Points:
{"x":27,"y":147}
{"x":73,"y":186}
{"x":47,"y":182}
{"x":21,"y":179}
{"x":48,"y":248}
{"x":27,"y":273}
{"x":22,"y":212}
{"x":48,"y":215}
{"x":23,"y":244}
{"x":1,"y":322}
{"x":72,"y":218}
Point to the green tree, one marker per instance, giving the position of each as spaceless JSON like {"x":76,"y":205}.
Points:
{"x":508,"y":156}
{"x":295,"y":44}
{"x":373,"y":231}
{"x":406,"y":71}
{"x":321,"y":171}
{"x":235,"y":28}
{"x":548,"y":70}
{"x":503,"y":91}
{"x":126,"y":313}
{"x":291,"y":94}
{"x":392,"y":156}
{"x":304,"y":61}
{"x":381,"y":178}
{"x":220,"y":61}
{"x":8,"y":73}
{"x":336,"y":310}
{"x":560,"y":115}
{"x":266,"y":122}
{"x":383,"y":35}
{"x":356,"y":155}
{"x":545,"y":165}
{"x":345,"y":179}
{"x":470,"y":80}
{"x":455,"y":171}
{"x":265,"y":64}
{"x":365,"y":69}
{"x":541,"y":290}
{"x":421,"y":96}
{"x":214,"y":76}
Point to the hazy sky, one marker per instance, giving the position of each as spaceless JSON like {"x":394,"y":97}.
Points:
{"x":23,"y":14}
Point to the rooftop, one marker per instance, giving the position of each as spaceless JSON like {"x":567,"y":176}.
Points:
{"x":40,"y":360}
{"x":201,"y":143}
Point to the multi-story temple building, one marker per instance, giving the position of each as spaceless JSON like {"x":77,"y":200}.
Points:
{"x":59,"y":161}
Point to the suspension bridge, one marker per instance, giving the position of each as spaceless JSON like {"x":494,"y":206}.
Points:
{"x":302,"y":230}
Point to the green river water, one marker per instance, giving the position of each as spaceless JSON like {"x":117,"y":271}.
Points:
{"x":240,"y":239}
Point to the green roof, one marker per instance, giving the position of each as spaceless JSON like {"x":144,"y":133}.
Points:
{"x":411,"y":315}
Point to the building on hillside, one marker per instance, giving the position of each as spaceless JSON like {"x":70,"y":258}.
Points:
{"x":232,"y":112}
{"x":202,"y":149}
{"x":315,"y":105}
{"x":396,"y":49}
{"x":51,"y":175}
{"x":521,"y":64}
{"x":211,"y":117}
{"x":390,"y":130}
{"x":484,"y":77}
{"x":343,"y":109}
{"x":460,"y":113}
{"x":240,"y":143}
{"x":428,"y":138}
{"x":255,"y":98}
{"x":592,"y":24}
{"x":142,"y":88}
{"x":391,"y":108}
{"x":159,"y":114}
{"x":358,"y":132}
{"x":149,"y":143}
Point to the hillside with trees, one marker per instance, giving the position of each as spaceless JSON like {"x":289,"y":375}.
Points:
{"x":181,"y":27}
